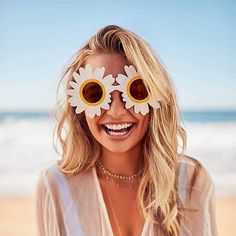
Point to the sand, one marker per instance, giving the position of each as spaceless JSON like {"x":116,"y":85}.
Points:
{"x":17,"y":216}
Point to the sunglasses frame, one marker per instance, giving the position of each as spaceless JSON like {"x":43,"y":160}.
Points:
{"x":106,"y":83}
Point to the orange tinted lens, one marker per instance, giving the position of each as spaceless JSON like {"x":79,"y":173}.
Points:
{"x":138,"y":90}
{"x":92,"y":92}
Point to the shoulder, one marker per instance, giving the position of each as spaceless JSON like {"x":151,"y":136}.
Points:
{"x":196,"y":193}
{"x":46,"y":180}
{"x":53,"y":180}
{"x":193,"y":176}
{"x":48,"y":174}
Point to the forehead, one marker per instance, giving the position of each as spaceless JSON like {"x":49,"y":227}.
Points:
{"x":113,"y":62}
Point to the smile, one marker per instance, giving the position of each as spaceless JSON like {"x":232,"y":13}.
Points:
{"x":121,"y":129}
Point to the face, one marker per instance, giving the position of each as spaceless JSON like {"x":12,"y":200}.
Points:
{"x":118,"y":130}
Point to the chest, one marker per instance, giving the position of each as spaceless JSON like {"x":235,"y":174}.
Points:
{"x":123,"y":211}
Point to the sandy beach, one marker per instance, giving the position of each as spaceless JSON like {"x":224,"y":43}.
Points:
{"x":17,"y":216}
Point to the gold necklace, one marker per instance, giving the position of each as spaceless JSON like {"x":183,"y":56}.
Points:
{"x":120,"y":180}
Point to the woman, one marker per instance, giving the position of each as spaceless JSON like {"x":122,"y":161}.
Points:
{"x":120,"y":172}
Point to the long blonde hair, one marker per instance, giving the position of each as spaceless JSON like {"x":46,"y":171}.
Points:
{"x":157,"y":192}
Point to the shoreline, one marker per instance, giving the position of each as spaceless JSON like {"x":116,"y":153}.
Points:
{"x":17,"y":216}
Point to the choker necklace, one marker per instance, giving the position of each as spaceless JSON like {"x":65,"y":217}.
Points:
{"x":120,"y":180}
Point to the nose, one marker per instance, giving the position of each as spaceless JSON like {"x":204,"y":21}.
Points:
{"x":117,"y":106}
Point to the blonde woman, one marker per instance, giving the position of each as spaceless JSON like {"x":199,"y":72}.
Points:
{"x":120,"y":172}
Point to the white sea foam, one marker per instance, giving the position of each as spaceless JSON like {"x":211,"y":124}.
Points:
{"x":214,"y":145}
{"x":26,"y":148}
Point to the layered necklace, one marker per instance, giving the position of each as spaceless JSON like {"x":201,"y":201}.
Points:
{"x":120,"y":180}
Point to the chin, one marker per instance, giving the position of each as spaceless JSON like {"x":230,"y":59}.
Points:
{"x":118,"y":149}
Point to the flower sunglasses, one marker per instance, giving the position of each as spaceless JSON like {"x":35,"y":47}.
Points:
{"x":91,"y":91}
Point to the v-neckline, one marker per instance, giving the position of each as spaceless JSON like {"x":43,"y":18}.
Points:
{"x":104,"y":208}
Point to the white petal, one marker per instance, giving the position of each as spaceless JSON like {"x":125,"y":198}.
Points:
{"x":79,"y":79}
{"x":82,"y":72}
{"x":154,"y":103}
{"x":108,"y":80}
{"x":124,"y":95}
{"x":71,"y":92}
{"x":137,"y":108}
{"x":99,"y":72}
{"x":73,"y":84}
{"x":110,"y":89}
{"x":98,"y":112}
{"x":75,"y":101}
{"x":143,"y":108}
{"x":92,"y":111}
{"x":119,"y":88}
{"x":105,"y":106}
{"x":122,"y":79}
{"x":128,"y":103}
{"x":89,"y":71}
{"x":108,"y":98}
{"x":80,"y":108}
{"x":130,"y":71}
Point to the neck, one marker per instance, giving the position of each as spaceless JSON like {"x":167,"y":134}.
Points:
{"x":128,"y":163}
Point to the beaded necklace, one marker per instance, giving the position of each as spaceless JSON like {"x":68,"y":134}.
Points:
{"x":120,"y":180}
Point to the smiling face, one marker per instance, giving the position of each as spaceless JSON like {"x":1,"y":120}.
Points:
{"x":118,"y":130}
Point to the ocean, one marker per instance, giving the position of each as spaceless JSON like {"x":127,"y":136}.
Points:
{"x":26,"y":148}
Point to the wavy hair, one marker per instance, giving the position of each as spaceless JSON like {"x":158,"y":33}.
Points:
{"x":157,"y":192}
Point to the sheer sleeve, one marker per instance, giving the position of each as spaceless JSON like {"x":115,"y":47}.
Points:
{"x":46,"y":217}
{"x":200,"y":213}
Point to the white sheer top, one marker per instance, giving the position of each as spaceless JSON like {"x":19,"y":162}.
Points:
{"x":74,"y":205}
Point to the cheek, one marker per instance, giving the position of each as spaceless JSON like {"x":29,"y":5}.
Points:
{"x":144,"y":119}
{"x":92,"y":124}
{"x":146,"y":122}
{"x":143,"y":123}
{"x":145,"y":126}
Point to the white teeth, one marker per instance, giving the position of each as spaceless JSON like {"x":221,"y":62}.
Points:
{"x":117,"y":134}
{"x":118,"y":126}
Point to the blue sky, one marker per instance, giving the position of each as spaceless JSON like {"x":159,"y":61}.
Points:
{"x":195,"y":40}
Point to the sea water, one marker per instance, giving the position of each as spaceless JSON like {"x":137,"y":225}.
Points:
{"x":26,"y":148}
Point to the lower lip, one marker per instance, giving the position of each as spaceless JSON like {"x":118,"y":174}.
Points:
{"x":118,"y":136}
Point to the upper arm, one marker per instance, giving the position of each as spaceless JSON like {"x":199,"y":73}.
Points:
{"x":200,"y":203}
{"x":46,"y":217}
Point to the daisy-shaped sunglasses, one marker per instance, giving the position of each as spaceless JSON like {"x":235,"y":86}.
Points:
{"x":91,"y":91}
